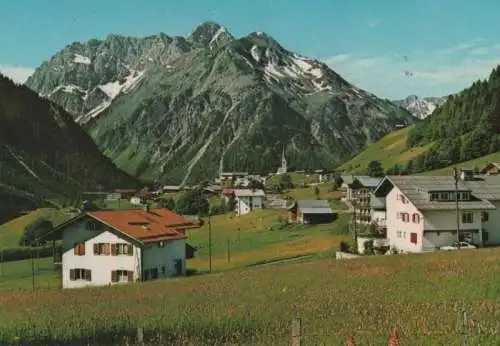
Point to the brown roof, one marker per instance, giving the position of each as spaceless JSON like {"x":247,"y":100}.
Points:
{"x":125,"y":190}
{"x":147,"y":226}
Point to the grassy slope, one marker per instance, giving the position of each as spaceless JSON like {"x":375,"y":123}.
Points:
{"x":11,"y":232}
{"x":422,"y":295}
{"x":389,"y":150}
{"x":480,"y":163}
{"x":256,"y":237}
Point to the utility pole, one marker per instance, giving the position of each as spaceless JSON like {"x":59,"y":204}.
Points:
{"x":455,"y":174}
{"x":209,"y":243}
{"x":33,"y":272}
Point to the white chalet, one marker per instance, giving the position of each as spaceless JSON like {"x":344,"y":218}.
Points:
{"x":110,"y":247}
{"x":420,"y":211}
{"x":248,"y":200}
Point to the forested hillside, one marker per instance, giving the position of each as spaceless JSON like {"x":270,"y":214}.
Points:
{"x":465,"y":127}
{"x":45,"y":157}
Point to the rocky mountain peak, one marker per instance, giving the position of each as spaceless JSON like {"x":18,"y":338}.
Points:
{"x":208,"y":34}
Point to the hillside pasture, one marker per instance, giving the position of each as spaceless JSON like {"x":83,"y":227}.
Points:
{"x":389,"y":151}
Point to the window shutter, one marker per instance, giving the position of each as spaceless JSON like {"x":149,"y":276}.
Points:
{"x":82,"y":249}
{"x":75,"y":249}
{"x":114,"y":276}
{"x":88,"y":275}
{"x":113,"y":249}
{"x":72,"y":275}
{"x":130,"y":249}
{"x":130,"y":276}
{"x":96,"y":249}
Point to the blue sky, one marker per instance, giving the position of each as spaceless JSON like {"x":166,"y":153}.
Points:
{"x":445,"y":44}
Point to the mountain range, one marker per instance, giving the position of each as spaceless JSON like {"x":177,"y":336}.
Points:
{"x":420,"y":107}
{"x":45,"y":156}
{"x":180,"y":109}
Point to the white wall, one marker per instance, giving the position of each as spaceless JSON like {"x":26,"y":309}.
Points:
{"x":243,"y":204}
{"x":447,"y":220}
{"x":100,"y":265}
{"x":157,"y":257}
{"x":398,"y":232}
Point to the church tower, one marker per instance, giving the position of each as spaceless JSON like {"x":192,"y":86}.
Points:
{"x":283,"y":169}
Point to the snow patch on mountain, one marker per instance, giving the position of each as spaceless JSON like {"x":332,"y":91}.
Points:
{"x":222,"y":30}
{"x":80,"y":59}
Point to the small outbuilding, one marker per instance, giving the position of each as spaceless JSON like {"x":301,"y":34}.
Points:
{"x":311,"y":212}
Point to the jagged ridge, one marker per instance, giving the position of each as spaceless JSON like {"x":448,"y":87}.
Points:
{"x":217,"y":100}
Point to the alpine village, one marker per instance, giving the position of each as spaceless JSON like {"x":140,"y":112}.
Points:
{"x":213,"y":190}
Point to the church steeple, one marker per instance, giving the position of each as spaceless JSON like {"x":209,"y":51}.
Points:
{"x":283,"y":169}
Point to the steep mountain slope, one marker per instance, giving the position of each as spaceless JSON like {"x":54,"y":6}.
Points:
{"x":45,"y":157}
{"x":420,"y":107}
{"x":194,"y":105}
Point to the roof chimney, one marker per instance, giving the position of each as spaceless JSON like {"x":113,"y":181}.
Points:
{"x":146,"y":207}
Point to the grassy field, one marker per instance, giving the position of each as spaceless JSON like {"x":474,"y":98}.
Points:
{"x":17,"y":276}
{"x":422,"y":296}
{"x":11,"y":232}
{"x":252,"y":239}
{"x":259,"y":237}
{"x":389,"y":150}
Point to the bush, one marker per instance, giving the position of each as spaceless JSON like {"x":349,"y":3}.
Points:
{"x":344,"y":246}
{"x":35,"y":234}
{"x":369,"y":249}
{"x":22,"y":253}
{"x":381,"y":250}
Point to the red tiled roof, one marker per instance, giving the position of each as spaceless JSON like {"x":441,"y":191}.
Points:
{"x":147,"y":226}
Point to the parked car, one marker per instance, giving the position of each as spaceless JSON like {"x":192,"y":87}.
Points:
{"x":454,"y":246}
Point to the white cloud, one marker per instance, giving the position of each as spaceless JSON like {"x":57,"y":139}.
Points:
{"x":480,"y":51}
{"x":431,"y":73}
{"x":17,"y":74}
{"x":373,"y":23}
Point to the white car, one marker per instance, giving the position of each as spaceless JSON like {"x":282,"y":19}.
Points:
{"x":463,"y":245}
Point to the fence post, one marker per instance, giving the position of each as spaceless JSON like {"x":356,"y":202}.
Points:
{"x":465,"y":340}
{"x":296,"y":332}
{"x":140,"y":336}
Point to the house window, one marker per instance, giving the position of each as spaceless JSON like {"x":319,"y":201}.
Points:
{"x":79,"y":249}
{"x":398,"y":234}
{"x":154,"y":273}
{"x":102,"y":249}
{"x":415,"y":218}
{"x":405,"y":217}
{"x":485,"y":217}
{"x":161,"y":244}
{"x":124,"y":249}
{"x":467,"y":217}
{"x":80,"y":274}
{"x":413,"y":238}
{"x":122,"y":276}
{"x":163,"y":271}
